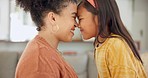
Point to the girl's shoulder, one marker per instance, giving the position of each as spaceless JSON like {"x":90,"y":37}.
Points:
{"x":116,"y":39}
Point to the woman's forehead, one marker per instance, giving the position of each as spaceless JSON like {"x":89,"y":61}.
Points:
{"x":71,"y":8}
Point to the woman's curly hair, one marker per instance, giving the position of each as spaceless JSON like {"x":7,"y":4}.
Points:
{"x":39,"y":8}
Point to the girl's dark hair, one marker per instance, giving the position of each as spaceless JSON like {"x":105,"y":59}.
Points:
{"x":110,"y":22}
{"x":88,"y":7}
{"x":39,"y":8}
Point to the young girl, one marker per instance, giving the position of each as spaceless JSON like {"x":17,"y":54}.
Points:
{"x":116,"y":55}
{"x":55,"y":21}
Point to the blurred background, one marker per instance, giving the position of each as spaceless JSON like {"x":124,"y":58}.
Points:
{"x":16,"y":29}
{"x":16,"y":25}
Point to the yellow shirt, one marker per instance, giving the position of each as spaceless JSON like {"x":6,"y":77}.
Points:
{"x":114,"y":59}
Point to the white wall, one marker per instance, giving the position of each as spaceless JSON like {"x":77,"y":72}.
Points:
{"x":134,"y":14}
{"x":147,"y":28}
{"x":126,"y":11}
{"x":4,"y":19}
{"x":139,"y":28}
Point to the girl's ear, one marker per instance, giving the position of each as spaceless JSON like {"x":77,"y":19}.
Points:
{"x":96,"y":19}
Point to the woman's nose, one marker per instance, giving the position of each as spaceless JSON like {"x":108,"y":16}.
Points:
{"x":76,"y":24}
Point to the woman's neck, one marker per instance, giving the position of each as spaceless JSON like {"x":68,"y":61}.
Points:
{"x":51,"y":39}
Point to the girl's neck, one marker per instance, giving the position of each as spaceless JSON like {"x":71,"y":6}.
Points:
{"x":101,"y":39}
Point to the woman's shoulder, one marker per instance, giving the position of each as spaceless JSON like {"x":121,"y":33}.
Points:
{"x":37,"y":43}
{"x":32,"y":45}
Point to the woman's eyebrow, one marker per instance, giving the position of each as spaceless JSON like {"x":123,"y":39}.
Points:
{"x":74,"y":13}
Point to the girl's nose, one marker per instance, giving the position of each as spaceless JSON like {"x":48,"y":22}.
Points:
{"x":78,"y":25}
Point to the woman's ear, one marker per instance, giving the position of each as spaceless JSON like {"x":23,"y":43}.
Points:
{"x":51,"y":18}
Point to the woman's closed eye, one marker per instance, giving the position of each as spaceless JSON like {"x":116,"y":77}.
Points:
{"x":74,"y":17}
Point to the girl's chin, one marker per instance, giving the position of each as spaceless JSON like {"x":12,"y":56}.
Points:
{"x":86,"y":38}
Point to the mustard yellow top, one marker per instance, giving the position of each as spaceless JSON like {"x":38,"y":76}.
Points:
{"x":114,"y":59}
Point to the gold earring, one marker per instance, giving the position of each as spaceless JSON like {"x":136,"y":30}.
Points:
{"x":55,"y":28}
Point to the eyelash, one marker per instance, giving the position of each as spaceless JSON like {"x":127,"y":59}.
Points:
{"x":74,"y":17}
{"x":80,"y":19}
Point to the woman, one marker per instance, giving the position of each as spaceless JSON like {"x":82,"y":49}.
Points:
{"x":55,"y":21}
{"x":115,"y":55}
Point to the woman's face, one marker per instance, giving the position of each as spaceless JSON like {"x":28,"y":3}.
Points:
{"x":88,"y":23}
{"x":66,"y":22}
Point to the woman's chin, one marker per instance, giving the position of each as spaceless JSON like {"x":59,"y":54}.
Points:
{"x":67,"y":40}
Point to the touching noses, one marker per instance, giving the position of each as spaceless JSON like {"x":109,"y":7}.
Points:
{"x":77,"y":25}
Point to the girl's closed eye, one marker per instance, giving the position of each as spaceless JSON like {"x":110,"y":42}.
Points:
{"x":80,"y":19}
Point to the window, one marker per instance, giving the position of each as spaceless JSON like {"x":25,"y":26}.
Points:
{"x":21,"y":26}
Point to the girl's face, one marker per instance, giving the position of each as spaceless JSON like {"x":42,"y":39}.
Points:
{"x":88,"y":23}
{"x":66,"y":22}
